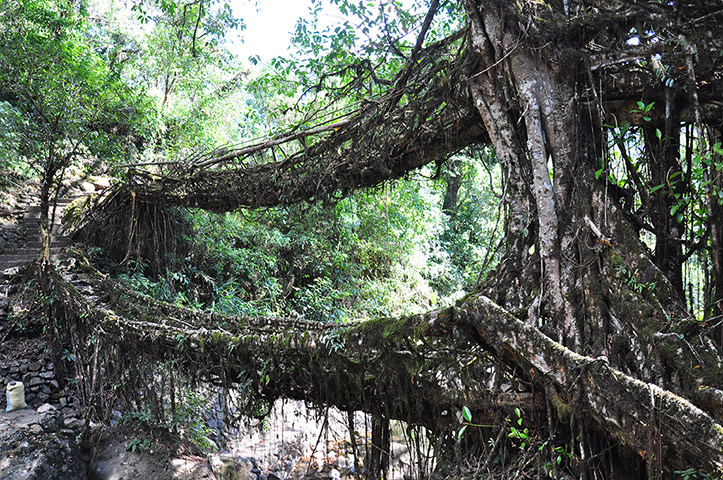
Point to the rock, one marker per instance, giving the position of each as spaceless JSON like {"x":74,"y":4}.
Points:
{"x":51,"y":421}
{"x":73,"y":423}
{"x":341,"y":462}
{"x":35,"y":381}
{"x":231,"y":470}
{"x":100,"y":183}
{"x":46,"y":408}
{"x":33,"y":454}
{"x":8,"y":273}
{"x":87,"y":187}
{"x":114,"y":462}
{"x":35,"y":366}
{"x":47,"y":375}
{"x":54,"y":384}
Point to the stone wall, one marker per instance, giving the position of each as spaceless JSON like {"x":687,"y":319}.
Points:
{"x":41,"y":385}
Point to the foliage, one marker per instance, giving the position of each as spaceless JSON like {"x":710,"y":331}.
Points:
{"x":336,"y":65}
{"x":680,"y":197}
{"x":186,"y":65}
{"x":63,"y":100}
{"x":187,"y":419}
{"x":372,"y":254}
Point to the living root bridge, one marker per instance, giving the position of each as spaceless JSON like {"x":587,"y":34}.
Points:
{"x":404,"y":368}
{"x":335,"y":167}
{"x":383,"y":139}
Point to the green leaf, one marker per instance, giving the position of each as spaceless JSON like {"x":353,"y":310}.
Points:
{"x":461,"y":432}
{"x":466,"y":413}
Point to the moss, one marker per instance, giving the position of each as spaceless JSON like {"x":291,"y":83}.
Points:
{"x":563,"y":410}
{"x":73,"y":213}
{"x":388,"y":328}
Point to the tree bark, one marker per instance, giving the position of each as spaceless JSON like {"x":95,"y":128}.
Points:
{"x":454,"y":181}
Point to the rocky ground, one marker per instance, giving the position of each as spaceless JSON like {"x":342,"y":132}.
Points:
{"x":35,"y":444}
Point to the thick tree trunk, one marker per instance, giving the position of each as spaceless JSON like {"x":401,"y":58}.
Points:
{"x":589,"y":283}
{"x":47,"y":210}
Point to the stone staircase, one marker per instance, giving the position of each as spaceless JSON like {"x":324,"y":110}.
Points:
{"x":25,"y":246}
{"x":19,"y":256}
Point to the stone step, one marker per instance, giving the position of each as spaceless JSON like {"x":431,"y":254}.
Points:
{"x":33,"y":237}
{"x":32,"y":251}
{"x":35,"y":222}
{"x":30,"y":209}
{"x":21,"y":259}
{"x":36,"y":213}
{"x":57,"y":243}
{"x":61,"y":205}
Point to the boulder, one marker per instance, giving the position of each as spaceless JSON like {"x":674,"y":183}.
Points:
{"x":100,"y":183}
{"x":233,"y":470}
{"x":46,"y":408}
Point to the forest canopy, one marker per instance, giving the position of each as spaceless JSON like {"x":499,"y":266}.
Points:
{"x":540,"y":183}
